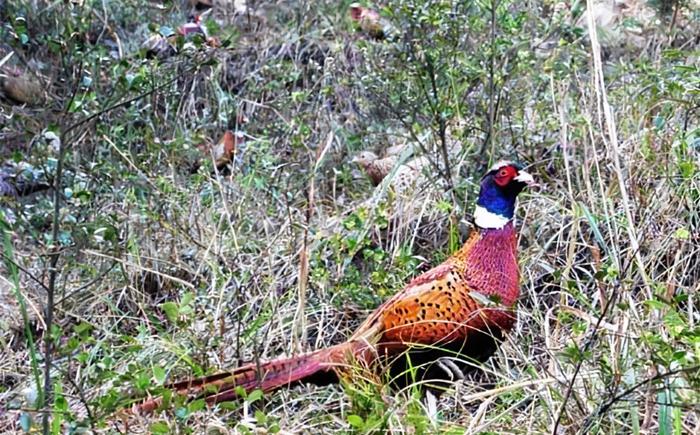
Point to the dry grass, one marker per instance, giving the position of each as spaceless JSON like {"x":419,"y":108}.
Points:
{"x":293,"y":248}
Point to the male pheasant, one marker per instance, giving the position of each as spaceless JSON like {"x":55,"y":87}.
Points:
{"x":454,"y":313}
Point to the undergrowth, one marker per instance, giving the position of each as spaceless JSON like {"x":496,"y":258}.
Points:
{"x":166,"y":267}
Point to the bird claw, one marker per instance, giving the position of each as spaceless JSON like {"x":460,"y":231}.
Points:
{"x":449,"y":367}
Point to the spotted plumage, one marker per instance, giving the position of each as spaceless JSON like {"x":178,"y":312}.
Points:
{"x":406,"y":175}
{"x":460,"y":310}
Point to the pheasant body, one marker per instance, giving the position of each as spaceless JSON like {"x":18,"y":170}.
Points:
{"x":459,"y":310}
{"x":444,"y":305}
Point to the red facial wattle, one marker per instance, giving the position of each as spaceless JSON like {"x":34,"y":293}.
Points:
{"x":505,"y":175}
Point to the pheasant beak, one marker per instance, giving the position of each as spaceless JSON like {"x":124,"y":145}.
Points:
{"x":525,"y":178}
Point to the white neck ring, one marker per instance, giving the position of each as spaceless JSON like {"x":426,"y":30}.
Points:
{"x":485,"y":219}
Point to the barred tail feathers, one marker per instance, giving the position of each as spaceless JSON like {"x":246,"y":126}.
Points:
{"x":316,"y":368}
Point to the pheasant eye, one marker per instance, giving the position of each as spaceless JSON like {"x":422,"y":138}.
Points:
{"x":504,"y":175}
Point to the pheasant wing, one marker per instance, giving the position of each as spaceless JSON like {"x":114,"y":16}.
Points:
{"x":435,"y":307}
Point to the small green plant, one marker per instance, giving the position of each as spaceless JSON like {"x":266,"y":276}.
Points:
{"x":160,"y":267}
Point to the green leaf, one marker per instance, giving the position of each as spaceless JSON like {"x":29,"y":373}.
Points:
{"x":167,"y":398}
{"x":196,"y":405}
{"x":652,"y":303}
{"x":453,"y":242}
{"x":687,"y":169}
{"x":171,"y":311}
{"x":25,"y":421}
{"x":664,"y":418}
{"x":59,"y":403}
{"x":254,"y":396}
{"x":56,"y":423}
{"x":187,"y":298}
{"x":166,"y":31}
{"x":594,"y":226}
{"x":677,"y":421}
{"x":682,"y":234}
{"x":228,"y":406}
{"x":675,"y":323}
{"x":82,"y":328}
{"x":159,"y":427}
{"x":182,"y":413}
{"x":355,"y":421}
{"x":159,"y":374}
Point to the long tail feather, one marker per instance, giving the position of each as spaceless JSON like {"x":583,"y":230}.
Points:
{"x":316,"y":367}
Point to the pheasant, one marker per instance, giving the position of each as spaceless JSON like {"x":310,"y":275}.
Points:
{"x":21,"y":179}
{"x":165,"y":45}
{"x":229,"y":147}
{"x":377,"y":168}
{"x":453,"y":315}
{"x":20,"y":87}
{"x":370,"y":22}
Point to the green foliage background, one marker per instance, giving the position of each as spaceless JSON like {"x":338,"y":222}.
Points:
{"x":165,"y":268}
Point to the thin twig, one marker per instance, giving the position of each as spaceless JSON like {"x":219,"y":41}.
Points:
{"x":492,"y":82}
{"x":90,"y":283}
{"x":25,"y":271}
{"x":605,"y":407}
{"x":442,"y":126}
{"x":55,"y":254}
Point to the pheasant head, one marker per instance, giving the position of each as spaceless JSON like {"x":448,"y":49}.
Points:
{"x":375,"y":168}
{"x":499,"y":190}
